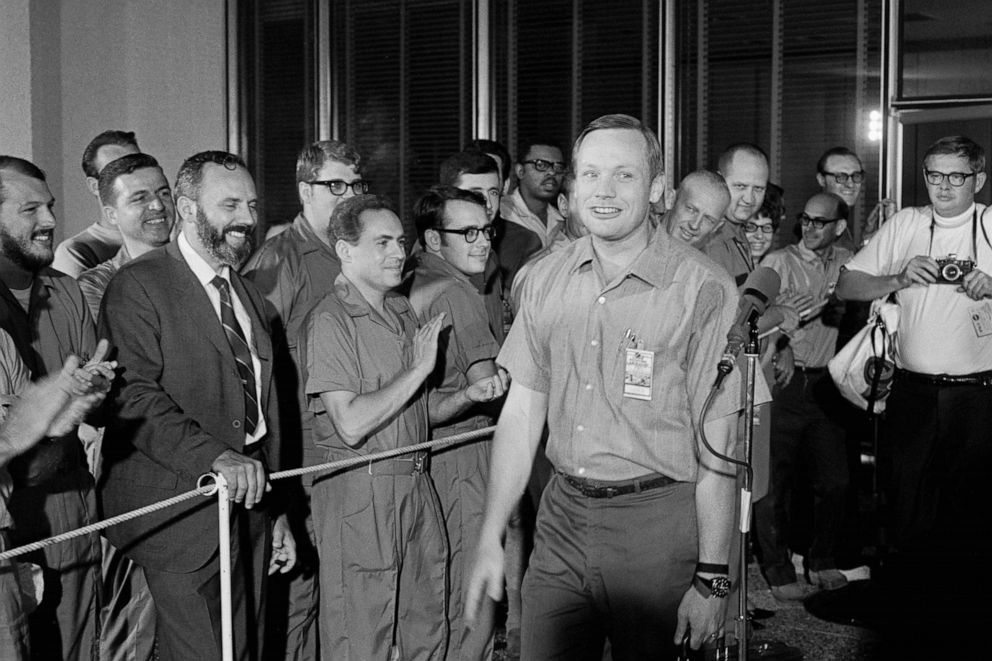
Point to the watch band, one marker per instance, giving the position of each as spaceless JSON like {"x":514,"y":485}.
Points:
{"x":711,"y":568}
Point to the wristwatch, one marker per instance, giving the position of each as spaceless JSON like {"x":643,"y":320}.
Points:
{"x":718,"y":586}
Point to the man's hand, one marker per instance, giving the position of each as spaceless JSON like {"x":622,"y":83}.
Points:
{"x":485,"y":578}
{"x":798,"y":301}
{"x":489,"y":388}
{"x":425,"y":345}
{"x":785,"y":366}
{"x":921,"y":270}
{"x":283,"y":547}
{"x":703,"y":617}
{"x":245,"y":477}
{"x":977,"y":285}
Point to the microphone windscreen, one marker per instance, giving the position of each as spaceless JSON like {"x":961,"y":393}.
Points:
{"x":763,"y":285}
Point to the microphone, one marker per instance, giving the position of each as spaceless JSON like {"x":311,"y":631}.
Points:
{"x":759,"y":290}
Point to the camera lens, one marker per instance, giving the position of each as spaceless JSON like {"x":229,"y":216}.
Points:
{"x":951,"y":272}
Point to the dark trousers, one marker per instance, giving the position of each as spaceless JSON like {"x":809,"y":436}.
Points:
{"x":938,"y":452}
{"x":805,"y":436}
{"x":608,"y":568}
{"x":187,"y":606}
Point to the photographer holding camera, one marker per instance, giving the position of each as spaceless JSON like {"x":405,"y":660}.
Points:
{"x":936,"y":260}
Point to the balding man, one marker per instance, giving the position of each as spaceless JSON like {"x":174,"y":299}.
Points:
{"x":744,"y":166}
{"x":702,"y":199}
{"x":805,"y":430}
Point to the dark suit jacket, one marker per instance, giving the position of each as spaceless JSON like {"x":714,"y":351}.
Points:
{"x":176,"y":407}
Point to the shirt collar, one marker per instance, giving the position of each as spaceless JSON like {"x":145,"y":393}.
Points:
{"x":810,"y":255}
{"x":203,"y":271}
{"x":355,"y":304}
{"x":431,"y":262}
{"x":653,"y":265}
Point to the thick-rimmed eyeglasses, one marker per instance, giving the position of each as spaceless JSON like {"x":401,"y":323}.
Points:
{"x":472,"y":233}
{"x":755,"y":227}
{"x":339,"y":186}
{"x":842,"y":177}
{"x":542,"y":165}
{"x":817,"y":223}
{"x":957,"y":179}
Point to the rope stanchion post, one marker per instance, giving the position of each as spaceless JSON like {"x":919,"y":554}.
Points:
{"x":224,"y":550}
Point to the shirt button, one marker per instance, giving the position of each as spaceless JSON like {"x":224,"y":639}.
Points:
{"x":580,"y":428}
{"x":236,"y":424}
{"x":588,"y":386}
{"x":581,"y":471}
{"x":601,"y":300}
{"x":595,"y":343}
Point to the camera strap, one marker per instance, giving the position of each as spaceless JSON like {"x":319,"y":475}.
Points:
{"x":974,"y":234}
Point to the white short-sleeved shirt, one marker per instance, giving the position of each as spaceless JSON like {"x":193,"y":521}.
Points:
{"x":941,"y":330}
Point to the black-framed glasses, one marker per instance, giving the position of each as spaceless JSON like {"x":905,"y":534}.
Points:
{"x":755,"y":227}
{"x":339,"y":186}
{"x":957,"y":179}
{"x":817,"y":223}
{"x":542,"y":165}
{"x":842,"y":177}
{"x":472,"y":233}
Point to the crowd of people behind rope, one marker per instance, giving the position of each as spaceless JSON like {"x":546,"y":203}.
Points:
{"x":582,"y":301}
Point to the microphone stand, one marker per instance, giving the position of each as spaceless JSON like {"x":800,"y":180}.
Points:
{"x":752,"y":352}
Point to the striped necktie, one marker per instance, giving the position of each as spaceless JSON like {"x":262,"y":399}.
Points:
{"x":242,"y":354}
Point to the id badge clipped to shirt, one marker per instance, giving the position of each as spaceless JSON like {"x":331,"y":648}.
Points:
{"x":981,"y":319}
{"x":638,"y":374}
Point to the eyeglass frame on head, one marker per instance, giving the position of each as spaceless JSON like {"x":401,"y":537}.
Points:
{"x":817,"y":223}
{"x":857,"y":178}
{"x":330,"y":184}
{"x":543,"y":165}
{"x":471,"y":234}
{"x":946,"y":176}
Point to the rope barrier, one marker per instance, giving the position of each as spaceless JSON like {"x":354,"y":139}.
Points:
{"x":210,"y":489}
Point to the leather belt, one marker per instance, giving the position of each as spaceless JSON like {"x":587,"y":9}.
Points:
{"x":407,"y":464}
{"x":983,"y":379}
{"x":596,"y":489}
{"x":810,"y":370}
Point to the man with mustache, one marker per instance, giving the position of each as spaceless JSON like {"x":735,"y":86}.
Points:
{"x":45,"y":313}
{"x":456,"y":232}
{"x":196,"y":395}
{"x":531,"y":220}
{"x":382,"y":542}
{"x":101,"y":240}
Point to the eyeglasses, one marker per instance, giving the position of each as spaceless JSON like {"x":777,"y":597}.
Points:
{"x":472,"y":233}
{"x":957,"y":179}
{"x":542,"y":165}
{"x":339,"y":187}
{"x":842,"y":177}
{"x":755,"y":227}
{"x":817,"y":223}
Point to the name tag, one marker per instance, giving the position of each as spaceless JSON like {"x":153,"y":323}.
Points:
{"x":638,"y":374}
{"x":981,"y":319}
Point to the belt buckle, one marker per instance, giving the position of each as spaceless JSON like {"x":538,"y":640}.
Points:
{"x":609,"y":492}
{"x":419,"y":459}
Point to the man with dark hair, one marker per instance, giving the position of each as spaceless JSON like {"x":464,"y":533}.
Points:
{"x":840,"y":171}
{"x":500,"y":154}
{"x":196,"y":396}
{"x":531,"y":220}
{"x":45,"y":313}
{"x":456,"y":235}
{"x":745,"y":168}
{"x":294,"y":271}
{"x":700,"y":203}
{"x":101,"y":240}
{"x":936,"y":260}
{"x":617,"y":337}
{"x":473,"y":171}
{"x":806,"y":433}
{"x":137,"y":200}
{"x":378,"y":525}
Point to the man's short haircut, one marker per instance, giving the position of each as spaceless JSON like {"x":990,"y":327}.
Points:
{"x":429,"y":210}
{"x":346,"y":219}
{"x":541,"y":141}
{"x":469,"y":161}
{"x":116,"y":169}
{"x":707,"y":177}
{"x":821,"y":165}
{"x":746,"y":147}
{"x":190,"y":174}
{"x":774,"y":205}
{"x":656,"y":162}
{"x":119,"y":138}
{"x":497,"y":148}
{"x":20,"y":166}
{"x":313,"y":157}
{"x":958,"y":145}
